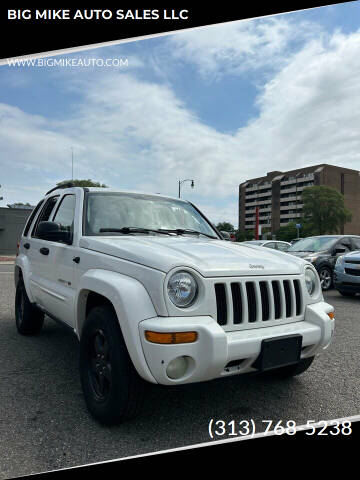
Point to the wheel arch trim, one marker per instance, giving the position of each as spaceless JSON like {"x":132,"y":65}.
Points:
{"x":131,"y":303}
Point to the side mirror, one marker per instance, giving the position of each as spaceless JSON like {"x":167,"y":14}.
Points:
{"x":339,"y":250}
{"x":53,"y":232}
{"x":225,"y":235}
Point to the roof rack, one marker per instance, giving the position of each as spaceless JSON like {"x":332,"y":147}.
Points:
{"x":63,"y":185}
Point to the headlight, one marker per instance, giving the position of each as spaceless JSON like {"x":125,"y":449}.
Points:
{"x":311,"y":280}
{"x":311,"y":259}
{"x":339,"y":260}
{"x":182,"y":289}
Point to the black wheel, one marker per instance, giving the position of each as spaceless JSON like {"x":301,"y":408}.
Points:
{"x":325,"y":278}
{"x":112,"y":388}
{"x":292,"y":370}
{"x":347,"y":294}
{"x":29,"y":319}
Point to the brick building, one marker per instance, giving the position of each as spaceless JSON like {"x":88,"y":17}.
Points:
{"x":278,"y":196}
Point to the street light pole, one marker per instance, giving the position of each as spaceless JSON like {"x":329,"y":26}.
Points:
{"x":182,"y":181}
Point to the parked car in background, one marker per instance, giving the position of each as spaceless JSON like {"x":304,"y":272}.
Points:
{"x":229,"y":236}
{"x":294,"y":240}
{"x":347,"y":274}
{"x":225,"y":235}
{"x":322,"y":251}
{"x":275,"y":244}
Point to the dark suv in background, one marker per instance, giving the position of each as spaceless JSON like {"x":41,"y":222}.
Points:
{"x":322,"y":251}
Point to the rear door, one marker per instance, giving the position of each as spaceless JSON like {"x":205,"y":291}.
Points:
{"x":61,"y":294}
{"x":38,"y":262}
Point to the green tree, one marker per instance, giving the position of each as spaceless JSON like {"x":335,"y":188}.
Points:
{"x":83,"y":183}
{"x":287,"y":232}
{"x":324,"y":210}
{"x":225,"y":226}
{"x":243,"y":235}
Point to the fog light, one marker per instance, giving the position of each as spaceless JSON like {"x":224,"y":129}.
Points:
{"x":177,"y":367}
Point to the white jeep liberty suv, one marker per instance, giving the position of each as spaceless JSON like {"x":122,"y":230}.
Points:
{"x":154,"y":293}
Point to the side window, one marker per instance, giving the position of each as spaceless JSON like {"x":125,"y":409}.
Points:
{"x":356,"y":242}
{"x":31,"y":218}
{"x":345,"y":243}
{"x":283,"y":246}
{"x":45,"y":212}
{"x":65,"y":213}
{"x":270,"y":245}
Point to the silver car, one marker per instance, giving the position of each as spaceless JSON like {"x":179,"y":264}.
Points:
{"x":347,"y":274}
{"x":275,"y":244}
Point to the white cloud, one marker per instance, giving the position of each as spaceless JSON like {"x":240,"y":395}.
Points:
{"x":241,"y":46}
{"x":133,"y":133}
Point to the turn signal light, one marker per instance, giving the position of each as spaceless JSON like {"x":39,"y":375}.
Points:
{"x":331,"y":314}
{"x":170,"y":338}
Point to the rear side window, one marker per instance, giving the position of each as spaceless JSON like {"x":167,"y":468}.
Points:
{"x":65,"y":213}
{"x":31,"y":218}
{"x":270,"y":245}
{"x":45,"y":212}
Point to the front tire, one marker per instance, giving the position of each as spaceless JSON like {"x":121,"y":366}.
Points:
{"x":293,"y":370}
{"x":29,"y":319}
{"x":112,"y":388}
{"x":326,"y":279}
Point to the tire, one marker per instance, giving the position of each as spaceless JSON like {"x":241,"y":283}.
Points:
{"x":29,"y":319}
{"x":325,"y":278}
{"x":293,"y":370}
{"x":112,"y":388}
{"x":347,"y":294}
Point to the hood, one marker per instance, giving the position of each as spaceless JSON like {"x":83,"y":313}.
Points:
{"x":352,"y":255}
{"x":306,"y":254}
{"x":209,"y":257}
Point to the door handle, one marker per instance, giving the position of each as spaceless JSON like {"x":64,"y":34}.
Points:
{"x":26,"y":245}
{"x":44,"y":251}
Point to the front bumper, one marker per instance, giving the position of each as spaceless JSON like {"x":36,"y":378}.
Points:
{"x":214,"y":348}
{"x":345,"y":282}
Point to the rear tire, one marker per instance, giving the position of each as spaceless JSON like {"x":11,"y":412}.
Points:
{"x":112,"y":388}
{"x":29,"y":319}
{"x":347,"y":294}
{"x":293,"y":370}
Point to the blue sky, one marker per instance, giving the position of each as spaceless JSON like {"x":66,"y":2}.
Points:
{"x":218,"y":104}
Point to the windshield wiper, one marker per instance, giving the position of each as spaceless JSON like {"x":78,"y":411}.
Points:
{"x":181,"y":231}
{"x":127,"y":230}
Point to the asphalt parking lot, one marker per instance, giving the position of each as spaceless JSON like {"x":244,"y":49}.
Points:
{"x":44,"y":423}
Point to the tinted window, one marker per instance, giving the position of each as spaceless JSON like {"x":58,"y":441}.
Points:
{"x":45,"y":212}
{"x":344,"y":243}
{"x":31,"y":218}
{"x":270,"y":245}
{"x":65,"y":213}
{"x":356,"y":242}
{"x":283,"y":246}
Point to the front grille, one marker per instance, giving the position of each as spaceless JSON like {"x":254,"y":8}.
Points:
{"x":353,"y":271}
{"x":258,"y":302}
{"x":354,"y":262}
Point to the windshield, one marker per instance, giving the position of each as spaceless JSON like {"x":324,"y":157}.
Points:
{"x":313,"y":244}
{"x":119,"y":210}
